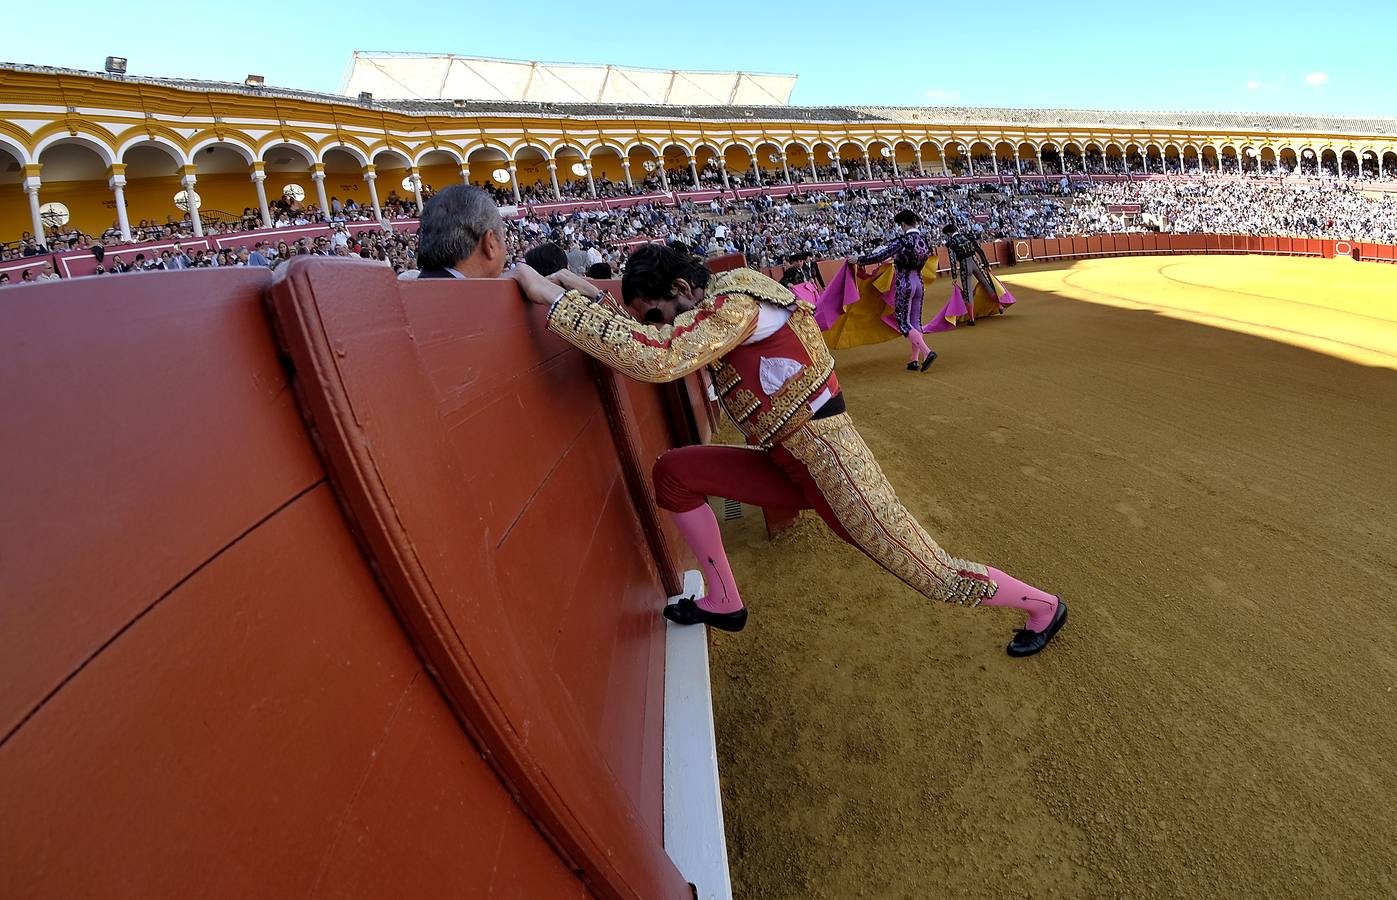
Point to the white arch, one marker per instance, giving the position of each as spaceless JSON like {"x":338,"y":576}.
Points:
{"x":18,"y":149}
{"x":797,"y":142}
{"x":379,"y":150}
{"x":646,"y":145}
{"x":751,"y":151}
{"x":155,"y":140}
{"x":705,"y":145}
{"x":449,"y":149}
{"x":306,"y":150}
{"x":106,"y":154}
{"x":353,"y":151}
{"x":244,"y":150}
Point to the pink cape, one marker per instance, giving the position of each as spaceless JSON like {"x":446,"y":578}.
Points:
{"x":841,"y":293}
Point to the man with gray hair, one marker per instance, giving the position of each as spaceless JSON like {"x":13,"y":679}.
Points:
{"x":461,"y":235}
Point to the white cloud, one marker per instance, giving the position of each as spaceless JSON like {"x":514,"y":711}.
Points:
{"x":1253,"y":85}
{"x":943,"y":94}
{"x":1316,"y":79}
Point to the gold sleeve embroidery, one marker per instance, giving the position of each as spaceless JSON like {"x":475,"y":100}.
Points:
{"x":649,"y":352}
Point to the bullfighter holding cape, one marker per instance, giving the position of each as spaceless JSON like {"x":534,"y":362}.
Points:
{"x":775,"y":378}
{"x":858,"y":303}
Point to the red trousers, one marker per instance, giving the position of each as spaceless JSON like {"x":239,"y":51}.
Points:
{"x":687,"y":476}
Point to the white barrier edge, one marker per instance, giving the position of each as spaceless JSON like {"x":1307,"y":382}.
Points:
{"x":693,"y":812}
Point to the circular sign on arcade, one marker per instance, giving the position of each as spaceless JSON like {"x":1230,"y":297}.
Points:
{"x":579,"y":169}
{"x":500,"y":176}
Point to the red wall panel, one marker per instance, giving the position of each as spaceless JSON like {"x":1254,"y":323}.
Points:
{"x":1095,"y":245}
{"x":1038,"y":248}
{"x":224,"y":660}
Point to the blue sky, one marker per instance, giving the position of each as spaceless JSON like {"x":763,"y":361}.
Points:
{"x":1277,"y":56}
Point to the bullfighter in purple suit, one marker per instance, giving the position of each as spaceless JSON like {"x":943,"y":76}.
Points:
{"x":909,"y":252}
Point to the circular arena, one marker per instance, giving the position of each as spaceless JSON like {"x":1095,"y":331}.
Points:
{"x":328,"y":567}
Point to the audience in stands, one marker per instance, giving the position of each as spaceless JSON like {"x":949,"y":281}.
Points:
{"x":831,"y":224}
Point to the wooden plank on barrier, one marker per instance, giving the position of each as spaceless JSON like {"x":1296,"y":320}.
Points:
{"x":1038,"y":248}
{"x":1151,"y":242}
{"x":1387,"y":252}
{"x":1079,"y":246}
{"x":1136,"y":242}
{"x":1095,"y":245}
{"x":1269,"y":244}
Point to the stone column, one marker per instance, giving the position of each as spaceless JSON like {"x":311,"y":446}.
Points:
{"x":416,"y":178}
{"x":31,"y":191}
{"x":188,"y":180}
{"x":814,"y":175}
{"x":370,"y":178}
{"x":259,"y":179}
{"x":465,"y":174}
{"x":116,"y":180}
{"x":553,"y":179}
{"x":514,"y":182}
{"x":317,"y":174}
{"x":867,"y":169}
{"x":921,"y":163}
{"x":785,"y":167}
{"x":757,"y":169}
{"x":664,"y":177}
{"x":626,"y":171}
{"x":723,"y":171}
{"x":693,"y":171}
{"x":591,"y":182}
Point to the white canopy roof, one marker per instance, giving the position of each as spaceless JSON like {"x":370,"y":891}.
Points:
{"x":416,"y":76}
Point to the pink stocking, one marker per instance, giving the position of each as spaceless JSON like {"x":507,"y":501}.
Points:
{"x":700,"y":528}
{"x":919,"y":344}
{"x":1040,"y":606}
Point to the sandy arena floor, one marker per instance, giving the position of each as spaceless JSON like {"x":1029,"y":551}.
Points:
{"x":1200,"y":454}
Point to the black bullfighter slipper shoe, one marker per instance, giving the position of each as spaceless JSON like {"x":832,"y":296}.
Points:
{"x":912,"y":366}
{"x":1027,"y":643}
{"x":926,"y":364}
{"x":686,"y":612}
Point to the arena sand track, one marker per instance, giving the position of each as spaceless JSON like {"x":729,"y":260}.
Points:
{"x":1219,"y":718}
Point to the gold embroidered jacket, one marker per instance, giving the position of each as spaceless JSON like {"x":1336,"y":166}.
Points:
{"x":712,"y":334}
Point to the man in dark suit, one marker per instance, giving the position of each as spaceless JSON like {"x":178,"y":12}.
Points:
{"x":461,"y":235}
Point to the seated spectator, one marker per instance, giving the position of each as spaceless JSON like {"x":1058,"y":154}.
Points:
{"x":600,"y":271}
{"x":547,"y":258}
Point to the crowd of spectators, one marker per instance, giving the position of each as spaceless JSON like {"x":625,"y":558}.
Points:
{"x":828,"y":224}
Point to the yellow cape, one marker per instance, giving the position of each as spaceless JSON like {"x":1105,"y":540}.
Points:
{"x":863,"y":322}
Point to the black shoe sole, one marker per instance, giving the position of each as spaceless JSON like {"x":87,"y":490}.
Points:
{"x":1042,"y":638}
{"x":926,"y":364}
{"x":722,"y":621}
